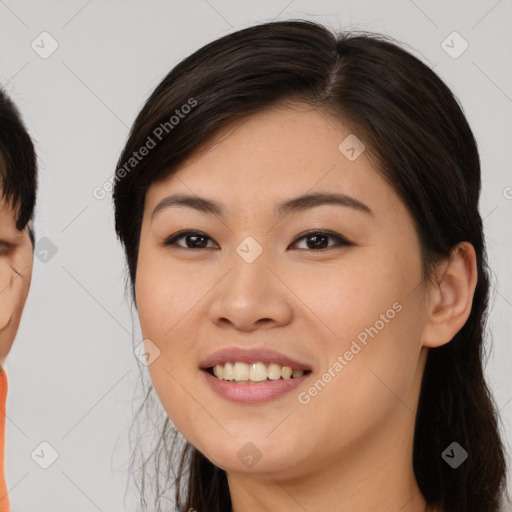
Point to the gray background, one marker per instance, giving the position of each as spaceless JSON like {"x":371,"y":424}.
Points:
{"x":72,"y":373}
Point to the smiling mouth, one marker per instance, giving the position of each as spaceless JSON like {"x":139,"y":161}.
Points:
{"x":242,"y":373}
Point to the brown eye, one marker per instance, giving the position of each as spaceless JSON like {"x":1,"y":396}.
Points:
{"x":319,"y":240}
{"x":196,"y":238}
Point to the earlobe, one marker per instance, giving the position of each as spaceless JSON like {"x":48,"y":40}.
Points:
{"x":451,"y":298}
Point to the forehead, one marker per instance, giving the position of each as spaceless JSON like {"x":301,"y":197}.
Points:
{"x":276,"y":154}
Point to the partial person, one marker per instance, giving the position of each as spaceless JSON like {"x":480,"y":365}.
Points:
{"x":18,"y":186}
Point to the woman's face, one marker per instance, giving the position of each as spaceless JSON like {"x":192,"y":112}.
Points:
{"x":255,"y":279}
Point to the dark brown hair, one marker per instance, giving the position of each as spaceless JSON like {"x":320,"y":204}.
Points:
{"x":421,"y":143}
{"x":18,"y":164}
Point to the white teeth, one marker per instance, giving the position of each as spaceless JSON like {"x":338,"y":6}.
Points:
{"x":258,"y":372}
{"x":255,"y":372}
{"x":274,"y":371}
{"x":218,"y":371}
{"x":241,"y":371}
{"x":228,"y":373}
{"x":286,"y":372}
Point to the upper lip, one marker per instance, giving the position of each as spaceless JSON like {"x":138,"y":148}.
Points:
{"x":251,"y":355}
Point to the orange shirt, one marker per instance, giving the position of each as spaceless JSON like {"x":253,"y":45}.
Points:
{"x":4,"y":498}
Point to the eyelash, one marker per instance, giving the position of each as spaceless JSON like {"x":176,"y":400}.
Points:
{"x":340,"y":239}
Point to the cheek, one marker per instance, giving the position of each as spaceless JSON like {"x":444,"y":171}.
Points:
{"x":163,"y":302}
{"x":159,"y":293}
{"x":166,"y":302}
{"x":366,"y":313}
{"x":349,"y":295}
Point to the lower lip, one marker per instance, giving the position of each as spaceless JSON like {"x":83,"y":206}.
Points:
{"x":254,"y":392}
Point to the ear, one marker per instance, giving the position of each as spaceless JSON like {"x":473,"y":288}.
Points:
{"x":15,"y":277}
{"x":451,"y":297}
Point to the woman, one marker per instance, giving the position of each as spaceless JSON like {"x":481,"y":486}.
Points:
{"x":306,"y":374}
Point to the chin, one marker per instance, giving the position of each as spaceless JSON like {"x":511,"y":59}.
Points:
{"x":257,"y":456}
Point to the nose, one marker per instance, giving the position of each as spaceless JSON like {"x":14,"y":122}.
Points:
{"x":251,"y":296}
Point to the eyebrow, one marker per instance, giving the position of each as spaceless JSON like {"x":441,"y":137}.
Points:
{"x":294,"y":205}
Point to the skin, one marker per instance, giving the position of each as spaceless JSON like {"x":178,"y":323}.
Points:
{"x":350,"y":447}
{"x":16,"y":260}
